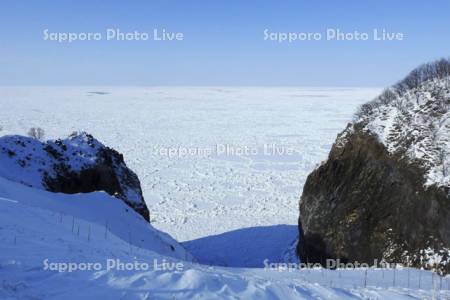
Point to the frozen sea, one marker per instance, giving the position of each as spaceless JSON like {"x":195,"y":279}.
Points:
{"x":211,"y":160}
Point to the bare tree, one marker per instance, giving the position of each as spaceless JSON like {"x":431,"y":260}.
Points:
{"x":414,"y":78}
{"x":443,"y":159}
{"x":401,"y":105}
{"x":442,"y":68}
{"x":364,"y":110}
{"x":37,"y":133}
{"x":443,"y":101}
{"x":434,"y":130}
{"x":387,"y":96}
{"x":438,"y":69}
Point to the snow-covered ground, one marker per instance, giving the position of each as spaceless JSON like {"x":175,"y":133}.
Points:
{"x":209,"y":192}
{"x":42,"y":232}
{"x":247,"y":247}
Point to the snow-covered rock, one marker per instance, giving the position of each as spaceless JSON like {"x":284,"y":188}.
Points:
{"x":384,"y":192}
{"x":412,"y":120}
{"x":78,"y":164}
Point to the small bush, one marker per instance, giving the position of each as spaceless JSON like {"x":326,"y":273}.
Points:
{"x":36,"y":133}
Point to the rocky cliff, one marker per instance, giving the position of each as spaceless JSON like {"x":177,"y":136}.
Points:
{"x":384,"y":191}
{"x":78,"y":164}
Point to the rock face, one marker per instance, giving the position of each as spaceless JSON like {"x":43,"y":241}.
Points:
{"x":384,"y":192}
{"x":79,"y":164}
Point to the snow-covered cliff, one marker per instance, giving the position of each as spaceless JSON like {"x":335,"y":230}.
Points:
{"x":78,"y":164}
{"x":384,"y":192}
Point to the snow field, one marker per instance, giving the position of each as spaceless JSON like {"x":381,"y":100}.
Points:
{"x":193,"y":196}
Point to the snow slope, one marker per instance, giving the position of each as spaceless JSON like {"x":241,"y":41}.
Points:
{"x":91,"y":214}
{"x":36,"y":231}
{"x":246,"y":247}
{"x":193,"y":196}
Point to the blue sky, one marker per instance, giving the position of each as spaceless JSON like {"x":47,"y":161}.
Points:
{"x":223,"y":42}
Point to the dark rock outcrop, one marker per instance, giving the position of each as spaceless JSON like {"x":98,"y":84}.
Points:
{"x":364,"y":204}
{"x":79,"y":164}
{"x":368,"y":202}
